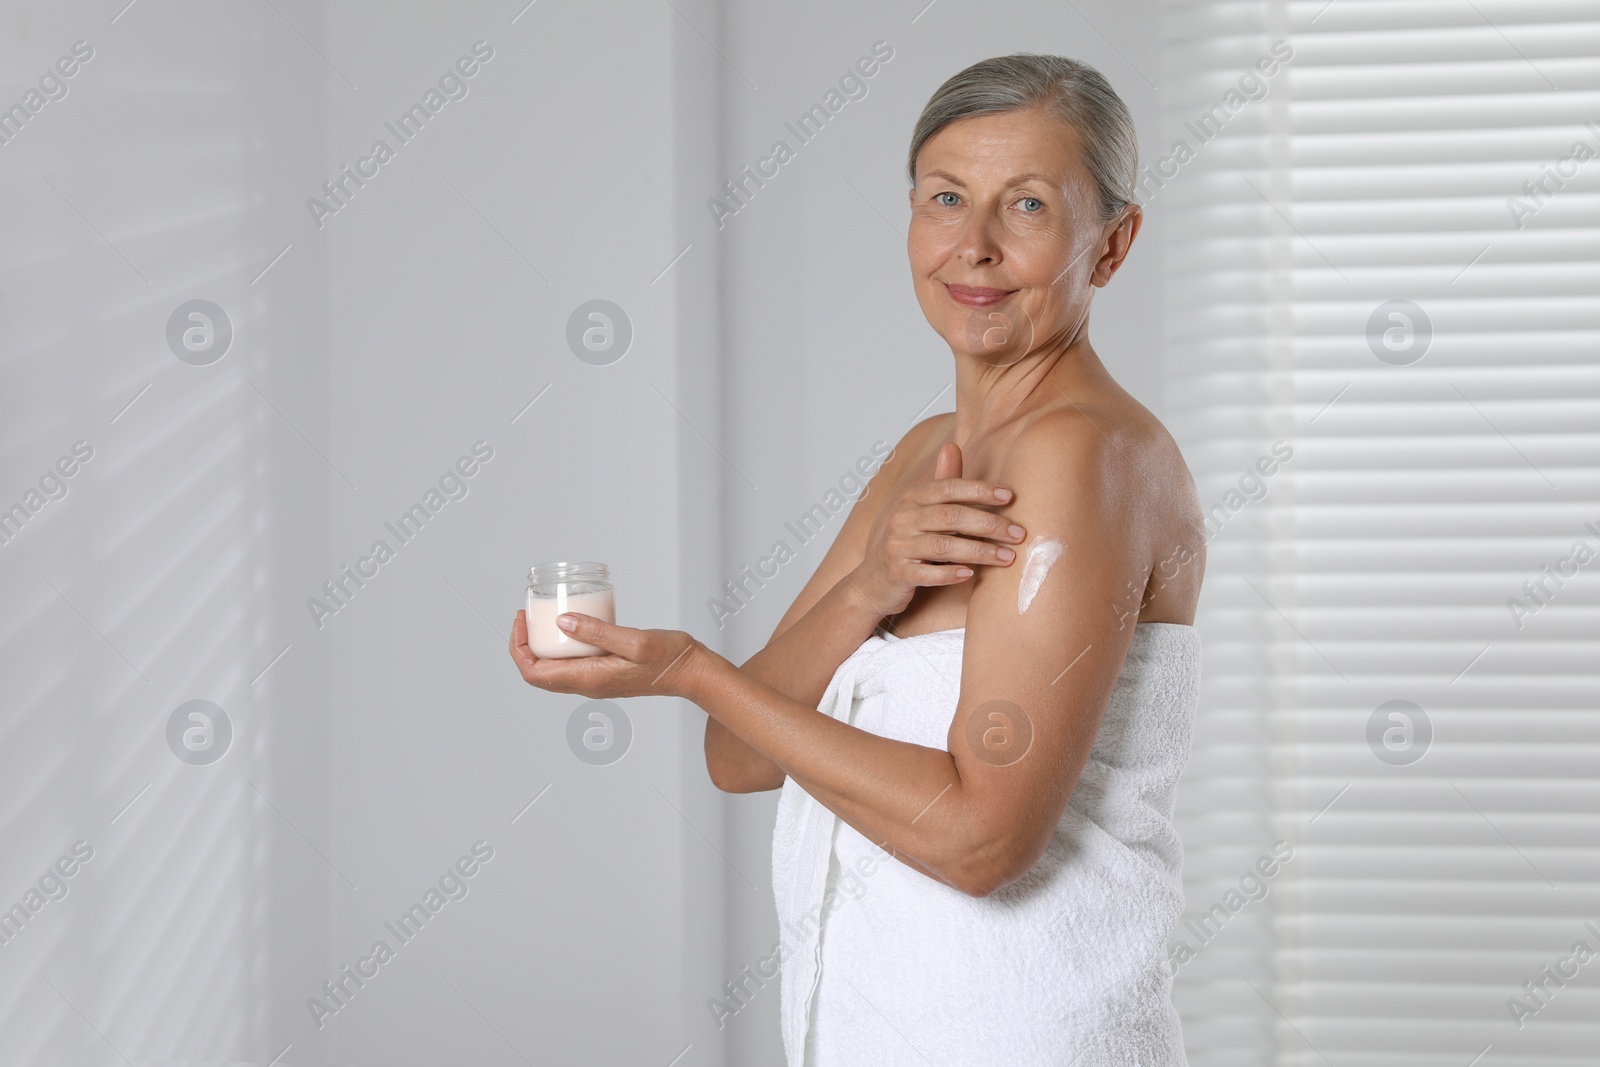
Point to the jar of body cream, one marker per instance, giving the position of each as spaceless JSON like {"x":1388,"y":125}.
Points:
{"x":556,"y":588}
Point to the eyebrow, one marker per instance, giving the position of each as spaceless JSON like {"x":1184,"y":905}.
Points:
{"x":1029,"y":176}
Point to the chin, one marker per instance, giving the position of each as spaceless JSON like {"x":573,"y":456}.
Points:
{"x":999,"y":335}
{"x":998,"y":357}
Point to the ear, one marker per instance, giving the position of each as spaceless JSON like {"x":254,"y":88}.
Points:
{"x":1117,"y":243}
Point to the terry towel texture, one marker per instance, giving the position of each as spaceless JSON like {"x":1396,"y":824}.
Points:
{"x":882,"y":966}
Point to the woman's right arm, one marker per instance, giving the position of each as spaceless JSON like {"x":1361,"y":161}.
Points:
{"x":796,"y":661}
{"x":826,"y":623}
{"x":850,"y":593}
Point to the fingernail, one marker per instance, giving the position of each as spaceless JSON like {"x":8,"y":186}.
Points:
{"x":1003,"y":494}
{"x":567,"y":622}
{"x":1006,"y":555}
{"x":1016,"y":531}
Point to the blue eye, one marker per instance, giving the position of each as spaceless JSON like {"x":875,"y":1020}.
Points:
{"x":1031,"y":200}
{"x":946,"y":203}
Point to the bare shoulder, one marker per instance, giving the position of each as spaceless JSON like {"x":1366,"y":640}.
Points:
{"x":1117,"y":460}
{"x":1120,"y":444}
{"x":1114,"y":443}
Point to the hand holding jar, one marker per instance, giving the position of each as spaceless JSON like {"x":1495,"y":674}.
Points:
{"x":593,"y":656}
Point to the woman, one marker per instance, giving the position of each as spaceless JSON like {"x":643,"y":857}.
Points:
{"x":978,"y":707}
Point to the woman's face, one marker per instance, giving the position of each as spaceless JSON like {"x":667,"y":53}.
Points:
{"x":1005,"y":241}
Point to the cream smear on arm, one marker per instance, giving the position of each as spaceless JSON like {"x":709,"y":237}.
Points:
{"x":1042,"y":554}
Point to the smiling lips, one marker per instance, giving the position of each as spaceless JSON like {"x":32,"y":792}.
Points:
{"x":975,"y":296}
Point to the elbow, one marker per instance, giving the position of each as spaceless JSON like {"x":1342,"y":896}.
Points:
{"x":998,"y":843}
{"x":995,"y":863}
{"x":978,"y":889}
{"x":982,"y":882}
{"x":986,"y":881}
{"x":728,"y":784}
{"x":735,"y":767}
{"x":722,"y":778}
{"x":731,"y":779}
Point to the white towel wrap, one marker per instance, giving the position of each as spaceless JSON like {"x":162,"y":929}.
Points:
{"x":1069,"y":962}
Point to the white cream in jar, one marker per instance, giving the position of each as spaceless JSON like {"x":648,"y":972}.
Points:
{"x":557,"y":588}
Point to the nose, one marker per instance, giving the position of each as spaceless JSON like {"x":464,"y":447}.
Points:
{"x":978,"y":244}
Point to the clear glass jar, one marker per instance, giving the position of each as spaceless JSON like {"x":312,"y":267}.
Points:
{"x":554,"y":588}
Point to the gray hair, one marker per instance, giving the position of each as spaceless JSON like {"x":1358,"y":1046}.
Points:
{"x":1069,"y":89}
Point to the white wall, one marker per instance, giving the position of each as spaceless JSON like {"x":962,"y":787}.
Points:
{"x":171,"y":570}
{"x":552,"y":183}
{"x":370,"y":356}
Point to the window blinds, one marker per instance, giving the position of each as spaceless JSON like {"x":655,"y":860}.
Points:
{"x":1384,"y":258}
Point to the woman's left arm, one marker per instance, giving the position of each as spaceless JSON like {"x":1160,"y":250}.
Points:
{"x":1045,"y":642}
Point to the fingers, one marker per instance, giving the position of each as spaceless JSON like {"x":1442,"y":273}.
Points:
{"x":974,"y":491}
{"x":947,"y":548}
{"x":935,"y":574}
{"x":533,"y":668}
{"x":620,"y":640}
{"x":967,"y":521}
{"x":519,"y":639}
{"x":552,"y":675}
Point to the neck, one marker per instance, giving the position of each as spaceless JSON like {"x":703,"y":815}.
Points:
{"x":988,"y":396}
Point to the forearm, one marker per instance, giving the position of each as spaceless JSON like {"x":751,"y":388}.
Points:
{"x":907,"y":798}
{"x":798,"y":662}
